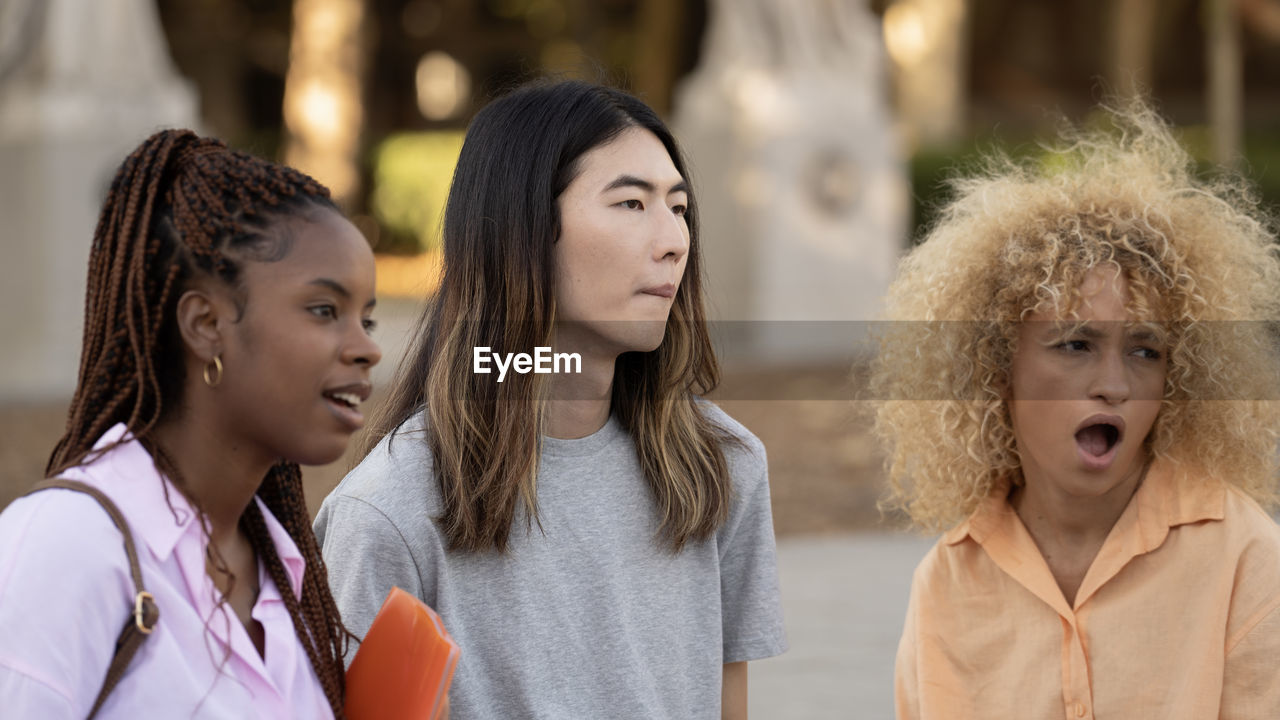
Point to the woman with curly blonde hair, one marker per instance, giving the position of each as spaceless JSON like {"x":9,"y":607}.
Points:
{"x":1080,"y":383}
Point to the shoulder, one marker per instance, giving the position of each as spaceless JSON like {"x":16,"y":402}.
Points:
{"x":742,"y":449}
{"x":393,"y":484}
{"x":1245,"y":546}
{"x":1254,"y":538}
{"x":397,"y":469}
{"x":57,"y":548}
{"x":60,"y":529}
{"x":938,"y":562}
{"x":1247,"y":535}
{"x":1247,"y":520}
{"x":956,"y":565}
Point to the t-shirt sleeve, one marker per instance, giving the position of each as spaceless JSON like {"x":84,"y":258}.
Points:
{"x":751,"y":603}
{"x":1250,"y":690}
{"x":366,"y":555}
{"x":65,"y":593}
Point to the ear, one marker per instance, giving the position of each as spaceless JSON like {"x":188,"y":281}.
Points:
{"x":201,"y":319}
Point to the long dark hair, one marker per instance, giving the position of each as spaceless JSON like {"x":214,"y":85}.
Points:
{"x":498,"y":290}
{"x":182,"y":207}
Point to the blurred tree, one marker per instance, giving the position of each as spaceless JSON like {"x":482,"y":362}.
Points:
{"x":1225,"y":95}
{"x":324,"y":93}
{"x":236,"y":52}
{"x":1132,"y":46}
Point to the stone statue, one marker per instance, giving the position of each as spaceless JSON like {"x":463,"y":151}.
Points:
{"x":81,"y":83}
{"x":801,"y":188}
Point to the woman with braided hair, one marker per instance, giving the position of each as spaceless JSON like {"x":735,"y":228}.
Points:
{"x":226,"y":340}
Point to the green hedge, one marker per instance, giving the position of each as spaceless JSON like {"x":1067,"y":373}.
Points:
{"x":932,"y":167}
{"x":411,"y":177}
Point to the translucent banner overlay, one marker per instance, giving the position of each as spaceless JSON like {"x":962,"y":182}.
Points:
{"x":945,"y":361}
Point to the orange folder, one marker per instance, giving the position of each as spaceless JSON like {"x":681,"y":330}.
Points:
{"x":405,"y":664}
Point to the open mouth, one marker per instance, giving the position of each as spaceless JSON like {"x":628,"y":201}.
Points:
{"x":345,"y":399}
{"x":1098,"y":439}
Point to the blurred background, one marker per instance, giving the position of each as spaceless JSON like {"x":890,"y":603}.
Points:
{"x":819,"y":133}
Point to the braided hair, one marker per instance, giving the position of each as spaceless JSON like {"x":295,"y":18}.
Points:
{"x":181,"y":207}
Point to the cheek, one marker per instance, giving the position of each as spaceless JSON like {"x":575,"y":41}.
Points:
{"x":1032,"y":422}
{"x":1148,"y":412}
{"x":1153,"y":384}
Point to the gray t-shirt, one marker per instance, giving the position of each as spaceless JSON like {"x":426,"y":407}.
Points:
{"x":591,"y":617}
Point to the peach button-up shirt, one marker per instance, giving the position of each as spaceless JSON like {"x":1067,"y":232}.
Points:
{"x":1178,"y":618}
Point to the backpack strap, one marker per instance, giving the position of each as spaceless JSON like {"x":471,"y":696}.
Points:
{"x":145,"y":612}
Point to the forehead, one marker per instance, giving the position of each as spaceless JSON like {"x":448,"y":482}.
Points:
{"x":1103,"y":294}
{"x":321,"y":244}
{"x":635,"y":151}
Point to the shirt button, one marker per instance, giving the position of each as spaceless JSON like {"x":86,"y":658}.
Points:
{"x":1079,"y":709}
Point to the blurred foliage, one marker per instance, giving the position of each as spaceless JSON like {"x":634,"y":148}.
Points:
{"x":411,"y":177}
{"x":931,"y":168}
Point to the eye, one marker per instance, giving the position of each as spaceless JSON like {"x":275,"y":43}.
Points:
{"x":324,"y":311}
{"x":679,"y":210}
{"x":1147,"y":353}
{"x":1073,"y":346}
{"x":369,"y":324}
{"x":632,"y":204}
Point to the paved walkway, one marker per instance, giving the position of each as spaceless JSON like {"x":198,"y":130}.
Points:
{"x":844,"y":598}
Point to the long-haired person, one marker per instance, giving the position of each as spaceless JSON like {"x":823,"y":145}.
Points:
{"x":225,"y":341}
{"x":597,"y":538}
{"x":1081,"y":391}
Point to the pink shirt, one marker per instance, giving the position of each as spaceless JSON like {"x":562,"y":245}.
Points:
{"x":65,"y":592}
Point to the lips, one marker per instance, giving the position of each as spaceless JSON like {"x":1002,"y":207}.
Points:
{"x":663,"y":291}
{"x":1097,"y":439}
{"x":345,"y":401}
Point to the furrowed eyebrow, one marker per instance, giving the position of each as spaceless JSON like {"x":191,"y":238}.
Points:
{"x":1056,"y":329}
{"x":632,"y":181}
{"x":1146,"y":335}
{"x":1090,"y":332}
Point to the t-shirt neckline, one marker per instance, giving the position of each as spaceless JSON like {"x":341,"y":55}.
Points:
{"x":589,"y":445}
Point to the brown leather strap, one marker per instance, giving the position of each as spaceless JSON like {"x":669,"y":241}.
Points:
{"x":145,"y":613}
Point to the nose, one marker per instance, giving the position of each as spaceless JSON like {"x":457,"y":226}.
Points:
{"x":671,"y":237}
{"x":361,"y":348}
{"x":1110,"y":382}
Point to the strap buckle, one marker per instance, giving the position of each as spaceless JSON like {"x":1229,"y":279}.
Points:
{"x":140,"y":603}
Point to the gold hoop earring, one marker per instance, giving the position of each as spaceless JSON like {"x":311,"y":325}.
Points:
{"x":216,"y":379}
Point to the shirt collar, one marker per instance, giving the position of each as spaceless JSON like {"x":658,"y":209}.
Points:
{"x":128,"y":475}
{"x":294,"y":564}
{"x":1172,"y":494}
{"x":121,"y":467}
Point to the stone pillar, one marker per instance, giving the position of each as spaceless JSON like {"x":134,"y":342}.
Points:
{"x":801,"y":187}
{"x":82,"y":84}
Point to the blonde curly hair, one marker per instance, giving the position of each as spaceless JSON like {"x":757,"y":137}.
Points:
{"x":1199,"y":256}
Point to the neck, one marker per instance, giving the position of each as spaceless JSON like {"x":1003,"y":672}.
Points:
{"x":218,"y":473}
{"x":579,"y":403}
{"x":1061,"y":519}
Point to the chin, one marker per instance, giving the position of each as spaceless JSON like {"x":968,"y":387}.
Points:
{"x":320,"y":453}
{"x":645,"y":335}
